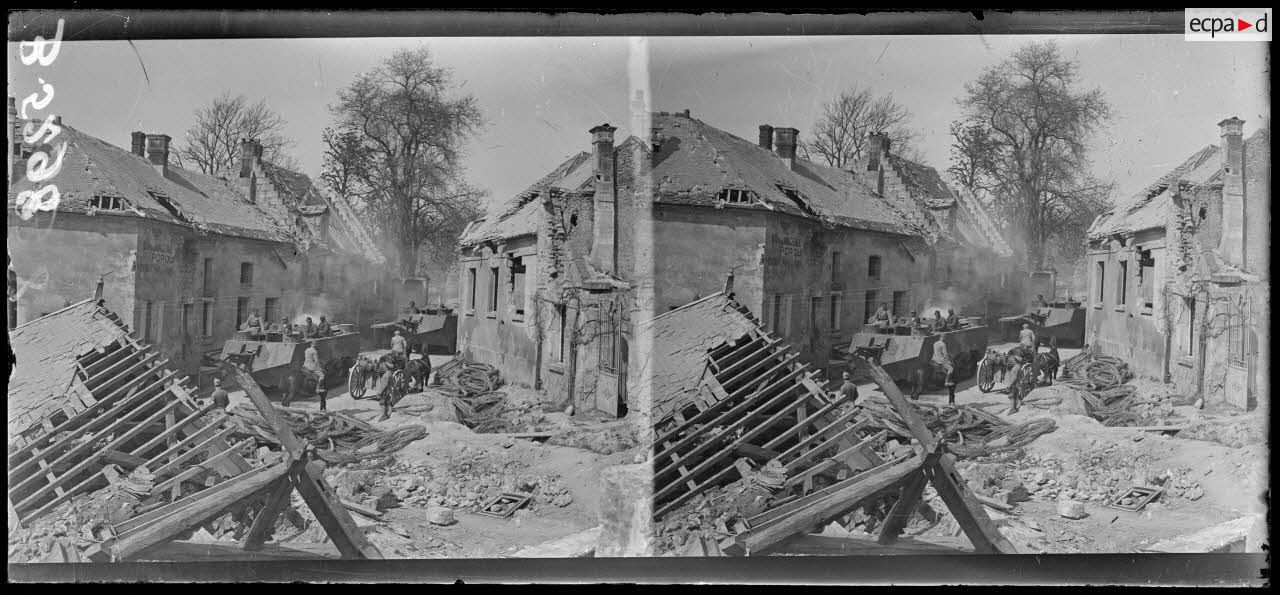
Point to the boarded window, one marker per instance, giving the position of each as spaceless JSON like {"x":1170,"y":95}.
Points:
{"x":1100,"y":282}
{"x":835,"y":312}
{"x":206,"y":319}
{"x":1237,"y":335}
{"x":873,"y":267}
{"x":517,"y":286}
{"x":242,"y":310}
{"x":493,"y":289}
{"x":471,"y":288}
{"x":1122,"y":283}
{"x":1190,"y":348}
{"x":835,"y":267}
{"x":869,"y":307}
{"x":607,"y":341}
{"x":1147,"y":280}
{"x":246,"y":273}
{"x":899,"y":304}
{"x":271,"y":309}
{"x":562,"y":313}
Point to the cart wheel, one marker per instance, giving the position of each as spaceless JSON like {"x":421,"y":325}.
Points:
{"x":356,"y":383}
{"x":986,"y":375}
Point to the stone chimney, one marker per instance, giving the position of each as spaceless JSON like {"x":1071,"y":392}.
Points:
{"x":158,"y":152}
{"x":728,"y":283}
{"x":1234,"y":238}
{"x":138,"y":144}
{"x":786,"y":141}
{"x":250,"y":156}
{"x":766,"y":137}
{"x":604,"y":247}
{"x":877,"y":153}
{"x":655,"y":139}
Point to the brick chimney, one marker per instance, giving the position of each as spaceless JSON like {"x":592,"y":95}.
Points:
{"x":158,"y":152}
{"x":604,"y":247}
{"x":786,"y":140}
{"x":766,"y":137}
{"x":1234,"y":237}
{"x":138,"y":144}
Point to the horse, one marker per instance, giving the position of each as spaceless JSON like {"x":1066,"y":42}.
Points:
{"x":1047,"y":363}
{"x":1024,"y":380}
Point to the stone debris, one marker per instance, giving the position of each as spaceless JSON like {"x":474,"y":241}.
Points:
{"x":440,"y":515}
{"x":1071,"y":509}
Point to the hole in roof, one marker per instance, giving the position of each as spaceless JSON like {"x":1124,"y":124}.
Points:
{"x":165,"y":202}
{"x":794,"y":196}
{"x":573,"y":220}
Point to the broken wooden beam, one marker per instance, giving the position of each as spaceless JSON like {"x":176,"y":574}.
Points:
{"x":823,"y":545}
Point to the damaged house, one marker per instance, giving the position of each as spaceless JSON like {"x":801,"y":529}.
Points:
{"x":184,"y":257}
{"x":1179,"y":280}
{"x":815,"y":249}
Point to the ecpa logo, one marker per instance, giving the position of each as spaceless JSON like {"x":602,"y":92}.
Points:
{"x":1225,"y":24}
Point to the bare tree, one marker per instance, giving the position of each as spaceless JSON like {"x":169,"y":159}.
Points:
{"x":212,"y":144}
{"x":395,"y":149}
{"x":839,"y":137}
{"x":1022,"y":146}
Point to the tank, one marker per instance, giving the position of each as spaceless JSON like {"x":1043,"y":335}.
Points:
{"x":276,"y":358}
{"x":906,"y":354}
{"x":432,"y":331}
{"x":1065,"y":322}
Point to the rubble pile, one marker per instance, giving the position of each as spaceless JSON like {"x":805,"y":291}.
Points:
{"x":605,"y":439}
{"x":968,"y":431}
{"x":1101,"y":473}
{"x":715,"y":514}
{"x":1233,"y":435}
{"x":339,"y":438}
{"x":467,"y":481}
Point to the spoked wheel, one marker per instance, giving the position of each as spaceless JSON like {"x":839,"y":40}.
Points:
{"x":356,"y":383}
{"x":986,"y":375}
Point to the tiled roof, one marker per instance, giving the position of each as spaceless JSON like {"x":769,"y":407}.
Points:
{"x":1150,"y":208}
{"x":519,"y":216}
{"x":924,"y":183}
{"x":347,"y":230}
{"x":695,"y":161}
{"x":93,"y":167}
{"x":46,"y":350}
{"x":681,"y":339}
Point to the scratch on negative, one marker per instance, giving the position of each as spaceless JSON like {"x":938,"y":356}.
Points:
{"x":140,"y":62}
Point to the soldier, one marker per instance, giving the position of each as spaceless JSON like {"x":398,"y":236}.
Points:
{"x":1027,"y":337}
{"x":311,"y":366}
{"x":309,"y":331}
{"x":253,"y":324}
{"x":942,"y":359}
{"x":282,"y":328}
{"x":849,"y":389}
{"x":323,"y":328}
{"x":218,"y":396}
{"x":953,"y":321}
{"x":881,"y":318}
{"x":399,"y":346}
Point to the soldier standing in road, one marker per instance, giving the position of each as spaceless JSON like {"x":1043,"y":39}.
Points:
{"x":311,"y":365}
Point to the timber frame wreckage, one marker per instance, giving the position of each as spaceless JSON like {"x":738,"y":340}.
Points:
{"x":128,"y":425}
{"x":737,"y":404}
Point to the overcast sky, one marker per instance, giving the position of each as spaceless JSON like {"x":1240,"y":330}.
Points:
{"x":541,"y":95}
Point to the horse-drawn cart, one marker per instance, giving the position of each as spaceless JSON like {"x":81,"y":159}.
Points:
{"x":1062,"y":321}
{"x":906,"y":354}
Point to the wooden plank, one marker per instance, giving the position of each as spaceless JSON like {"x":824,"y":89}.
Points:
{"x":96,"y":419}
{"x":908,"y":501}
{"x":756,"y":453}
{"x":788,"y":506}
{"x":754,"y":377}
{"x":208,"y":464}
{"x":75,"y":470}
{"x":333,"y":516}
{"x":779,"y":399}
{"x":172,"y":427}
{"x":748,"y":361}
{"x":136,"y":522}
{"x":827,"y":508}
{"x":738,"y":410}
{"x":283,"y":433}
{"x":123,"y":459}
{"x":806,"y":421}
{"x":264,"y":524}
{"x":198,"y":512}
{"x":97,"y":379}
{"x":198,"y":434}
{"x":966,"y":509}
{"x":828,"y":464}
{"x":838,"y":424}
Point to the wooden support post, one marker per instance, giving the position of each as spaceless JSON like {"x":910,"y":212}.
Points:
{"x":901,"y":512}
{"x":266,"y":519}
{"x":967,"y":510}
{"x":333,"y":516}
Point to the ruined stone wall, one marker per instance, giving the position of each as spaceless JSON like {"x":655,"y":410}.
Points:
{"x":1129,"y":331}
{"x":58,"y":266}
{"x":500,"y":337}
